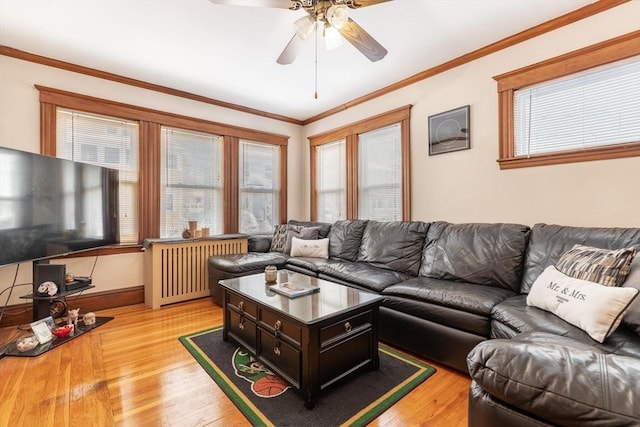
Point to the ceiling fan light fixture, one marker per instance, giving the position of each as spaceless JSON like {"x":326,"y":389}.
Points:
{"x":304,"y":26}
{"x":332,"y":38}
{"x":338,"y":15}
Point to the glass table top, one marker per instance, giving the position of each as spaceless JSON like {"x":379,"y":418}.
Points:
{"x":332,"y":298}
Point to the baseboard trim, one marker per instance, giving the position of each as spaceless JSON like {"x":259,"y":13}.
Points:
{"x":19,"y":314}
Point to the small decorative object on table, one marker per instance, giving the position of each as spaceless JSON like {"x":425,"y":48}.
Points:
{"x":186,"y":234}
{"x":89,"y":319}
{"x":72,"y":317}
{"x":47,"y":288}
{"x":270,"y":274}
{"x":26,"y":343}
{"x":63,"y":331}
{"x":69,"y":277}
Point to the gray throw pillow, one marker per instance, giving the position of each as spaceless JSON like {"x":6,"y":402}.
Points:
{"x":304,"y":233}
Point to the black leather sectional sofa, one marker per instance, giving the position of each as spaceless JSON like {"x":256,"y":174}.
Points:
{"x":456,"y":294}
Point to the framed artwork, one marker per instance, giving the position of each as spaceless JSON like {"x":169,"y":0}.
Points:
{"x":449,"y":131}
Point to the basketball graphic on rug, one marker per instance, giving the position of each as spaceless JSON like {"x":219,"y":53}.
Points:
{"x":269,"y":386}
{"x":264,"y":383}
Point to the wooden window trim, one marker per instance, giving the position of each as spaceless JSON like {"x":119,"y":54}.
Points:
{"x":616,"y":49}
{"x":150,"y":122}
{"x":350,"y":134}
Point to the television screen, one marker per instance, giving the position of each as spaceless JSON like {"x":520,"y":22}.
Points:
{"x":51,"y":206}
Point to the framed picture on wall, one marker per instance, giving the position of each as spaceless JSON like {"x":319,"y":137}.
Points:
{"x":449,"y":131}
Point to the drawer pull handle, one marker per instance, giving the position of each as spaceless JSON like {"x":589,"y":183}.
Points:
{"x":276,"y":348}
{"x":241,"y":324}
{"x":241,"y":306}
{"x":278,"y":326}
{"x":347,"y":327}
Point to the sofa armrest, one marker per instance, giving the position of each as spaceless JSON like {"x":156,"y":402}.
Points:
{"x":259,"y":243}
{"x":558,"y":379}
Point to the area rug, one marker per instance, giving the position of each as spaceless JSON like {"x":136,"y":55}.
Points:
{"x":266,"y":400}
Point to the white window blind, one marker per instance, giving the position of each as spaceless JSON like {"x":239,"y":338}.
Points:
{"x":380,"y":174}
{"x":259,"y":187}
{"x":191,"y":181}
{"x":331,"y":181}
{"x":109,"y":142}
{"x":595,"y":108}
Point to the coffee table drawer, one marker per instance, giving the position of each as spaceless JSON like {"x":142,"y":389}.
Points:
{"x":281,"y":354}
{"x":339,"y":359}
{"x":243,"y":330}
{"x":243,"y":305}
{"x":346,"y":327}
{"x":272,"y":321}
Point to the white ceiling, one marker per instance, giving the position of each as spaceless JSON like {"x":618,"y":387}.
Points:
{"x":229,"y":52}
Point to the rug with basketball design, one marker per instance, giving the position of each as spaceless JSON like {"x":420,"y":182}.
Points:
{"x":265,"y":399}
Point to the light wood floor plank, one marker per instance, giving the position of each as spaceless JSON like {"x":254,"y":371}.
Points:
{"x":133,"y":371}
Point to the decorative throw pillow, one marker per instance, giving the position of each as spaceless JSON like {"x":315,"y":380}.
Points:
{"x":310,"y":248}
{"x":605,"y":266}
{"x":279,"y":238}
{"x":304,"y":233}
{"x":596,"y":309}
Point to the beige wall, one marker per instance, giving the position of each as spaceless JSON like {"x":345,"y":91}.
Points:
{"x":20,"y":128}
{"x":468,"y":186}
{"x":458,"y":187}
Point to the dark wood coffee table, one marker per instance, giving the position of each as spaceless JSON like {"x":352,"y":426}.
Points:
{"x":311,"y":341}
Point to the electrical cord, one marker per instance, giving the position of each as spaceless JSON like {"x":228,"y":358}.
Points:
{"x":13,"y":285}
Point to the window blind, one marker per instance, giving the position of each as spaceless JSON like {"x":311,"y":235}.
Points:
{"x":380,"y":174}
{"x":259,"y":186}
{"x":108,"y":142}
{"x":595,"y":108}
{"x":331,"y":181}
{"x":191,"y":181}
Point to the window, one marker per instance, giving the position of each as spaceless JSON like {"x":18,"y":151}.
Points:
{"x":109,"y":142}
{"x":186,"y":168}
{"x":380,"y":174}
{"x":362,"y":170}
{"x":581,"y":106}
{"x":331,"y":189}
{"x":191,"y":181}
{"x":594,"y":108}
{"x":259,"y":187}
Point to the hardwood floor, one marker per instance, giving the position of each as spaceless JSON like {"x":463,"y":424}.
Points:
{"x":133,"y":371}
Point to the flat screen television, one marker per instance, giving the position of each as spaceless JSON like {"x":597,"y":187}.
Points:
{"x":51,"y":207}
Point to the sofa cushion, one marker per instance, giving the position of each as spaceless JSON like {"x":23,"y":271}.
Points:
{"x":559,"y":379}
{"x":461,"y":306}
{"x":361,"y":275}
{"x":609,"y":267}
{"x":483,"y":254}
{"x":632,"y":317}
{"x":594,"y":308}
{"x":306,"y":265}
{"x":548,"y":242}
{"x":394,"y":245}
{"x":345,"y":238}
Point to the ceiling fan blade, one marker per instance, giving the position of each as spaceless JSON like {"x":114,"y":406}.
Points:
{"x":361,"y":40}
{"x":355,"y":4}
{"x":278,"y":4}
{"x":291,"y":51}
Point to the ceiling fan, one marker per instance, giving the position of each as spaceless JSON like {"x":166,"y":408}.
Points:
{"x":332,"y":16}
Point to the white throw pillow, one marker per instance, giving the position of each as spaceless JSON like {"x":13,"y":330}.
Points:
{"x":310,"y":248}
{"x":594,"y":308}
